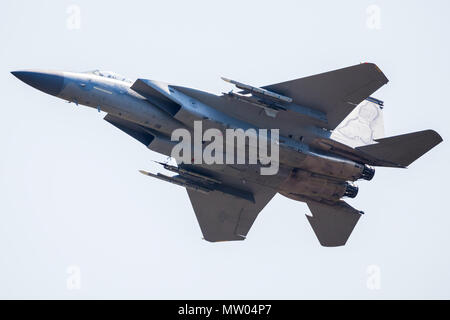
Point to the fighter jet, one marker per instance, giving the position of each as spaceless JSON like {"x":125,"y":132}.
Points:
{"x":330,"y":134}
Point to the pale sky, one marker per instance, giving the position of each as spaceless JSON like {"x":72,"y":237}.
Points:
{"x":71,"y":194}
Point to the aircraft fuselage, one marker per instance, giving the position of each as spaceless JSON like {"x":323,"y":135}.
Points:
{"x":311,"y":173}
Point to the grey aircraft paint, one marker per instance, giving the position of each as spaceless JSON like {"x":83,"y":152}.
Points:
{"x":330,"y":136}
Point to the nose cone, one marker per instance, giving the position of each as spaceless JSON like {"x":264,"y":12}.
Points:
{"x":47,"y":81}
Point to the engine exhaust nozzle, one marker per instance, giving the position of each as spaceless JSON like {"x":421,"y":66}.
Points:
{"x":351,"y":190}
{"x":367,"y":173}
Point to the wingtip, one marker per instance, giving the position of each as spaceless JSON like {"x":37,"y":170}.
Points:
{"x":374,"y":66}
{"x":439,"y":138}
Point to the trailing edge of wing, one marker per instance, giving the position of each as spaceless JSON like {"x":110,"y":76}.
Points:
{"x":334,"y":223}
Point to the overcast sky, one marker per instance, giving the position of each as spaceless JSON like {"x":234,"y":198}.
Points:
{"x":73,"y":205}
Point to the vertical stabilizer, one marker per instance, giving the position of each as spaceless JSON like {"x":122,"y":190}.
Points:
{"x":362,"y":126}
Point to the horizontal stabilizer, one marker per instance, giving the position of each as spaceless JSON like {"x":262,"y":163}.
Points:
{"x":334,"y":223}
{"x":404,"y":149}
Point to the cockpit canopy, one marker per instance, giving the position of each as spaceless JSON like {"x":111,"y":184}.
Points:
{"x":109,"y":74}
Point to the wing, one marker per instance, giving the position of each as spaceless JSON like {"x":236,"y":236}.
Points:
{"x":333,"y":223}
{"x":223,"y":217}
{"x":322,"y":100}
{"x":228,"y":212}
{"x":336,"y":93}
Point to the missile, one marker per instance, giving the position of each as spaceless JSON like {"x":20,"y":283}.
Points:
{"x":259,"y":91}
{"x":178,"y":181}
{"x":197,"y":186}
{"x":182,"y":171}
{"x":255,"y":101}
